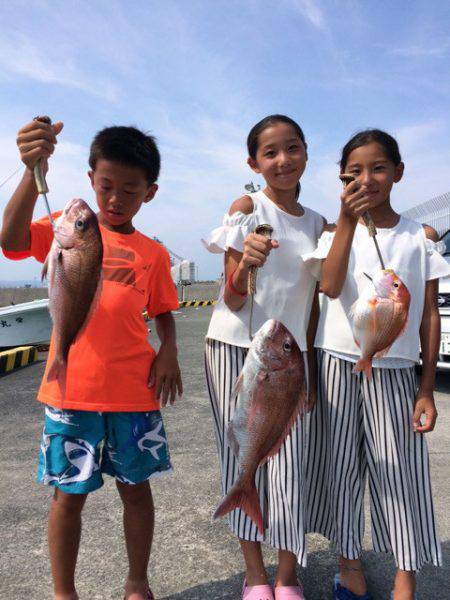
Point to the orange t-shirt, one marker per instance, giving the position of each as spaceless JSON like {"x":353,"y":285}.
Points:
{"x":109,"y":362}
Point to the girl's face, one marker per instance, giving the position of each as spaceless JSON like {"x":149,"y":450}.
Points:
{"x":281,"y":157}
{"x":372,"y":169}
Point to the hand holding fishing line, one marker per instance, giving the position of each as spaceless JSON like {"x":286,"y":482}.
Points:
{"x":353,"y":198}
{"x":36,"y":142}
{"x":264,"y":231}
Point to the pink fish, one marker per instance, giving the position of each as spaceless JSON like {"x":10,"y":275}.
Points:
{"x":379,"y":316}
{"x":73,"y":268}
{"x":271,"y":393}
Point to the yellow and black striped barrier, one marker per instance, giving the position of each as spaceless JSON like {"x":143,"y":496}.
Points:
{"x":189,"y":304}
{"x":17,"y":357}
{"x":197,"y":303}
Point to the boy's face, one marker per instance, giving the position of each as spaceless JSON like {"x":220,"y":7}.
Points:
{"x":120,"y":191}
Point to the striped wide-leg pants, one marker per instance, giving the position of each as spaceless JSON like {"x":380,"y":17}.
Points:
{"x":280,"y":482}
{"x":360,"y":427}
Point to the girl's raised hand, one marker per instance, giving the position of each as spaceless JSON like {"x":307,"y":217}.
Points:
{"x":37,"y":140}
{"x":353,"y":200}
{"x":256,"y":250}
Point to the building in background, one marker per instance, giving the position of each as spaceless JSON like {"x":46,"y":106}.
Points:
{"x":434,"y":212}
{"x":183,"y":271}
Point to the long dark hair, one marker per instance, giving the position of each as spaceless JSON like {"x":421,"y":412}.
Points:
{"x":269,"y":121}
{"x":362,"y":138}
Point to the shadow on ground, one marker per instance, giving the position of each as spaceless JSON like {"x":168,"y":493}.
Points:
{"x":317,"y":579}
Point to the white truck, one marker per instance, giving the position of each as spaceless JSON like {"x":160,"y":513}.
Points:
{"x":444,"y":309}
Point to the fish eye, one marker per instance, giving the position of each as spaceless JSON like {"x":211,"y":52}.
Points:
{"x":79,"y":224}
{"x":396,"y":285}
{"x":287,"y":346}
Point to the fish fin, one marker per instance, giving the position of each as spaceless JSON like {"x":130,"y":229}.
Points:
{"x":58,"y":372}
{"x":245,"y":498}
{"x":44,"y":270}
{"x":237,"y":387}
{"x":232,"y":439}
{"x":364,"y":364}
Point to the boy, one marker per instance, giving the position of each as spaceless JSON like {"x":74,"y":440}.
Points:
{"x":109,"y":419}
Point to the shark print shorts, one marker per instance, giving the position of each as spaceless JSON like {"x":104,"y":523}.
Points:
{"x":78,"y":446}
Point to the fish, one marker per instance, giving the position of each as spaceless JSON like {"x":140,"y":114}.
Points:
{"x":379,"y":317}
{"x":73,"y":269}
{"x":271,"y":393}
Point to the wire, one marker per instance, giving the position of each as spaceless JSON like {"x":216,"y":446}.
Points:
{"x":10,"y":176}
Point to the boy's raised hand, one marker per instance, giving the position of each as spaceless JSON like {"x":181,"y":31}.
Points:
{"x":37,"y":140}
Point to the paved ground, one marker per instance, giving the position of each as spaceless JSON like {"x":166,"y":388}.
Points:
{"x":192,"y":558}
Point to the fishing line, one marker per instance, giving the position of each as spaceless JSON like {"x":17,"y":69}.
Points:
{"x":10,"y":176}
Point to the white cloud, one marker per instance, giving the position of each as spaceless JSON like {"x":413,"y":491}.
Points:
{"x":417,"y":51}
{"x":308,"y":9}
{"x":20,"y":56}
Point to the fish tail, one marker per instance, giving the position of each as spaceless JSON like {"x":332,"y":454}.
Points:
{"x":58,"y":372}
{"x":246,"y":498}
{"x":364,"y":364}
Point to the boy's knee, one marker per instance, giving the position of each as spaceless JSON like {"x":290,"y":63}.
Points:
{"x":135,"y":494}
{"x":69,"y":502}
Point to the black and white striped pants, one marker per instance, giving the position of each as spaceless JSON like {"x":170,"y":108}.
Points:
{"x":359,"y":426}
{"x":280,"y":482}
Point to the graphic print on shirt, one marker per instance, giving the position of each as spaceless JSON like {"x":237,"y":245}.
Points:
{"x":119,"y":266}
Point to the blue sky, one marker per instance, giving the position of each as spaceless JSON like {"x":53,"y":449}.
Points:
{"x":199,"y":73}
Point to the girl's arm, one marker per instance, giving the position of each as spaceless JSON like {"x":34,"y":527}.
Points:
{"x":334,"y":268}
{"x":430,"y":333}
{"x":237,"y":264}
{"x":35,"y":141}
{"x":311,"y":352}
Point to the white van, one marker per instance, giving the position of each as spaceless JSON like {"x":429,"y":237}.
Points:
{"x":444,"y":310}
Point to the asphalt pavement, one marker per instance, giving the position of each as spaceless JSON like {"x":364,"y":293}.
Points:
{"x":192,"y":558}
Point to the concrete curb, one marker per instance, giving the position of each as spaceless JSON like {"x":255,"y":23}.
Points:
{"x":17,"y":357}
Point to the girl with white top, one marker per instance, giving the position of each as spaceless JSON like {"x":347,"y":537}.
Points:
{"x":361,"y":425}
{"x":285,"y":291}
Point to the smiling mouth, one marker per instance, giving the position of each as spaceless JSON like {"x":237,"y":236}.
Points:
{"x":115,"y":213}
{"x":286,"y":174}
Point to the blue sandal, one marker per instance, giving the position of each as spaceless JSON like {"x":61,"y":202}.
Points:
{"x":342,"y":593}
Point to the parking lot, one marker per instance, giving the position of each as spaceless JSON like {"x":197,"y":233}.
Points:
{"x":192,"y":558}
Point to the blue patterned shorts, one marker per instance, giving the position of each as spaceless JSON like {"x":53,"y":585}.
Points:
{"x":79,"y":446}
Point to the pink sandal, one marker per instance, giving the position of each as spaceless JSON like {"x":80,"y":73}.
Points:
{"x":289,"y":592}
{"x":257,"y":592}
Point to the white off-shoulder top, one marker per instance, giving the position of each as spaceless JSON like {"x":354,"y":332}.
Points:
{"x":285,"y":285}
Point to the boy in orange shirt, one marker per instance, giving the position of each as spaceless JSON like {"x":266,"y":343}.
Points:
{"x":109,"y":419}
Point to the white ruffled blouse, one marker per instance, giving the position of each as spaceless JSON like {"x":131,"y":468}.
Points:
{"x":416,"y":260}
{"x":285,"y":285}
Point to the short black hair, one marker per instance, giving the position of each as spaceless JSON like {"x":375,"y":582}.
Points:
{"x":127,"y":146}
{"x":367,"y":136}
{"x":256,"y":130}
